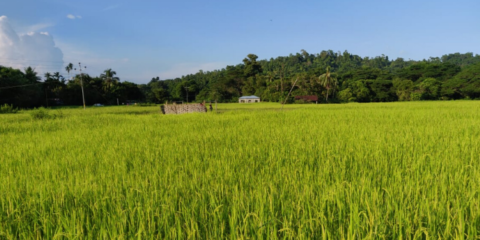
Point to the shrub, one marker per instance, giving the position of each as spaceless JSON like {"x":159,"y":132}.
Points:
{"x":8,"y":109}
{"x":346,"y":95}
{"x":415,"y":96}
{"x":43,"y":113}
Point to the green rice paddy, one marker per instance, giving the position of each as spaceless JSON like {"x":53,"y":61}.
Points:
{"x":337,"y":171}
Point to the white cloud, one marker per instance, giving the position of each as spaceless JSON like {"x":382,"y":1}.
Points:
{"x":71,"y":16}
{"x":37,"y":50}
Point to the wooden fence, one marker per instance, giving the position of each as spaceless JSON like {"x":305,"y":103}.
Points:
{"x":183,"y":108}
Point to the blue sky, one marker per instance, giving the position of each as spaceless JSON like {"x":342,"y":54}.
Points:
{"x":144,"y":39}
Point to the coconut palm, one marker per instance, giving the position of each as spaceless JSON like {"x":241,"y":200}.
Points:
{"x":109,"y":78}
{"x":57,"y":76}
{"x":48,"y":76}
{"x":69,"y":68}
{"x":329,"y":81}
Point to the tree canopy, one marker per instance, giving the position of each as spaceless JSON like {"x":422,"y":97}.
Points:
{"x":332,"y":76}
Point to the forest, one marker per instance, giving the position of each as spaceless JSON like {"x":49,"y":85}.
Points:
{"x":334,"y":77}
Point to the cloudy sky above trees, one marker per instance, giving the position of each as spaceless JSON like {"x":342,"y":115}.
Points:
{"x":35,"y":49}
{"x":145,"y":39}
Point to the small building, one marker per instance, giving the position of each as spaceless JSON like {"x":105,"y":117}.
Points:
{"x":249,"y":99}
{"x":308,"y":98}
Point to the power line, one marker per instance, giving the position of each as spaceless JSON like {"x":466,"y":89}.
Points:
{"x":31,"y":60}
{"x":21,"y":85}
{"x":62,"y":73}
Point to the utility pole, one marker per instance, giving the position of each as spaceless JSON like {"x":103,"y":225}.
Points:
{"x":81,"y":83}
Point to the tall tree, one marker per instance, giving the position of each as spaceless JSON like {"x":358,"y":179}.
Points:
{"x":109,"y":79}
{"x":252,"y":67}
{"x":69,"y":68}
{"x":31,"y":75}
{"x":48,"y":76}
{"x":329,"y":81}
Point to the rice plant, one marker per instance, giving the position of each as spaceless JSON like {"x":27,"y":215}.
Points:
{"x":349,"y":171}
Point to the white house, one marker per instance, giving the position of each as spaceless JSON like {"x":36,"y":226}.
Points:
{"x":249,"y":99}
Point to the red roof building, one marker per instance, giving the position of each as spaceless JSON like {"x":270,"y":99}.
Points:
{"x":309,"y":98}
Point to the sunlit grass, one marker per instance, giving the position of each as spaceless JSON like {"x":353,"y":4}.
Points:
{"x":339,"y":171}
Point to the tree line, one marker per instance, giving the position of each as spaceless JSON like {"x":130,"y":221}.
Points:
{"x":332,"y":76}
{"x":27,"y":90}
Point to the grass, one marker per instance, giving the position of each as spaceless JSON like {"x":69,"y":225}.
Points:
{"x":7,"y":109}
{"x":343,"y":171}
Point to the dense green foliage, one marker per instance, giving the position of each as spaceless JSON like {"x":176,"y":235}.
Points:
{"x":357,"y":79}
{"x":344,"y":171}
{"x":5,"y":108}
{"x":26,"y":90}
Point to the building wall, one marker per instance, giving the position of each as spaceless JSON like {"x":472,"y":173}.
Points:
{"x":251,"y":100}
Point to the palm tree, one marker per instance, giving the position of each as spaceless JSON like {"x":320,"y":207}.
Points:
{"x":48,"y":76}
{"x":329,"y":81}
{"x":69,"y":68}
{"x":109,"y":78}
{"x":57,"y":76}
{"x":31,"y":75}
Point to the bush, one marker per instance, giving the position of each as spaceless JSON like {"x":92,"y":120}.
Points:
{"x":43,"y":113}
{"x":415,"y":96}
{"x":346,"y":95}
{"x":8,"y":109}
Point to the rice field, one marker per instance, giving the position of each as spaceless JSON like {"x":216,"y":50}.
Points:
{"x":338,"y":171}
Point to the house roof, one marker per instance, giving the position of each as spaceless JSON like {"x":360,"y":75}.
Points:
{"x":249,"y":97}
